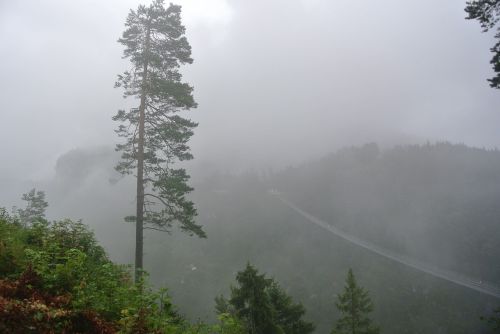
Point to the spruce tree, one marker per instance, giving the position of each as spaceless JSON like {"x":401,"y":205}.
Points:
{"x":487,"y":12}
{"x":263,"y":306}
{"x":288,"y":314}
{"x":155,"y":134}
{"x":251,"y":301}
{"x":354,"y":305}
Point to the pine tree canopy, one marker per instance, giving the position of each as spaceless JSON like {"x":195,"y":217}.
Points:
{"x":156,"y":46}
{"x":487,"y":12}
{"x":354,"y":305}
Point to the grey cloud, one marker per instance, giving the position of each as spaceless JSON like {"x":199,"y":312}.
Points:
{"x":277,"y":83}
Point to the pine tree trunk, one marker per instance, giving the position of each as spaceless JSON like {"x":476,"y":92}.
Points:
{"x":139,"y":224}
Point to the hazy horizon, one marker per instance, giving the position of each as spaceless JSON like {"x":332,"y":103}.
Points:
{"x":277,"y":82}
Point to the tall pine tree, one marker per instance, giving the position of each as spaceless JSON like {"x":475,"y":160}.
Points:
{"x":155,"y":134}
{"x":354,"y":305}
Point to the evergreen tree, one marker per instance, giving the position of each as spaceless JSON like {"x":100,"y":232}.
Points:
{"x":354,"y":305}
{"x":155,"y":134}
{"x":222,"y":306}
{"x":263,"y":306}
{"x":252,"y":303}
{"x":35,"y":206}
{"x":288,"y":315}
{"x":487,"y":12}
{"x":493,"y":320}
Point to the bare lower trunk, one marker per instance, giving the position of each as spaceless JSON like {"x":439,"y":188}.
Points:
{"x":139,"y":223}
{"x":140,"y":197}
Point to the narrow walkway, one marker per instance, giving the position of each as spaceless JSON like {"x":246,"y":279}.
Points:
{"x":450,"y":276}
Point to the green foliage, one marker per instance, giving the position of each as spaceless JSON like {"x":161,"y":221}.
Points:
{"x":35,"y":206}
{"x":251,"y":301}
{"x":229,"y":325}
{"x":65,"y":264}
{"x":493,"y":320}
{"x":55,"y":278}
{"x":263,"y":306}
{"x":222,"y":305}
{"x":487,"y":12}
{"x":11,"y":245}
{"x":354,"y":305}
{"x":156,"y":45}
{"x":288,"y":315}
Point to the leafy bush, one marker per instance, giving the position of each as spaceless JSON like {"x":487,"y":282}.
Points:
{"x":55,"y":278}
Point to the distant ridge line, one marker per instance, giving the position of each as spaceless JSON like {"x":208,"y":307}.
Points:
{"x":459,"y":279}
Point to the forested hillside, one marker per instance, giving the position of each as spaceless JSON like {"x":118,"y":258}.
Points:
{"x":435,"y":203}
{"x":438,"y":203}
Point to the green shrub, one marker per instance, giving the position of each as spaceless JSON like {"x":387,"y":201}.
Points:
{"x":55,"y":278}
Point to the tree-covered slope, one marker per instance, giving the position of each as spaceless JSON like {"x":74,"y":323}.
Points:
{"x":437,"y":203}
{"x":404,"y":199}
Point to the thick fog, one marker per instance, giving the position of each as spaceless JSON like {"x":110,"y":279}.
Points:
{"x":277,"y":82}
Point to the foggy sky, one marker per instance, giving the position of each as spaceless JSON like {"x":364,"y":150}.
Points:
{"x":277,"y":82}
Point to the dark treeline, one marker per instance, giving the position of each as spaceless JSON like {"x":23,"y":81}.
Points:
{"x":434,"y":203}
{"x":438,"y":203}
